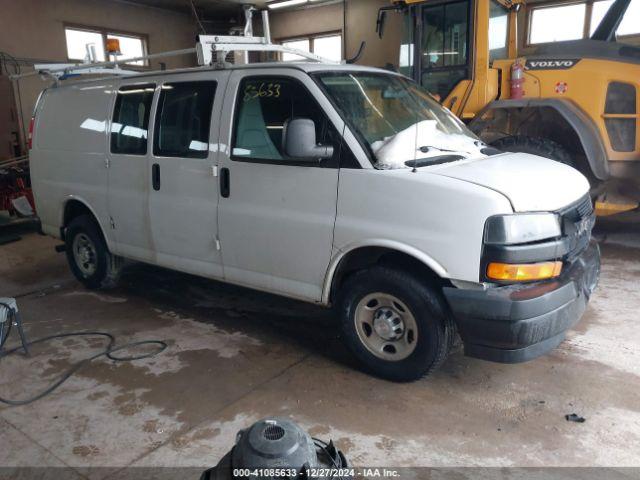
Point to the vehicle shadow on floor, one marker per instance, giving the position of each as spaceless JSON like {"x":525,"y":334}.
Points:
{"x":231,"y":307}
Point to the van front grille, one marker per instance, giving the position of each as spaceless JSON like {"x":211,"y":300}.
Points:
{"x":577,"y":222}
{"x":585,"y":207}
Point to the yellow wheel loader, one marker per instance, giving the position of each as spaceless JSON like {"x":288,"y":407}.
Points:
{"x":573,"y":101}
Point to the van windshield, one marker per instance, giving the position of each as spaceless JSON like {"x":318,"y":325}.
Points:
{"x":400,"y":122}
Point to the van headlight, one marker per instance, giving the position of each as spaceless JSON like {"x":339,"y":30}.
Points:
{"x":521,"y":228}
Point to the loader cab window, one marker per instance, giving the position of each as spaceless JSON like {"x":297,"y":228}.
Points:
{"x":407,"y":53}
{"x":183,"y":120}
{"x":131,"y":120}
{"x":498,"y":31}
{"x":629,"y":27}
{"x":445,"y":46}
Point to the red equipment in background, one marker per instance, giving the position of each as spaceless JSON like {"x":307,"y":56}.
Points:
{"x":14,"y":183}
{"x":517,"y":80}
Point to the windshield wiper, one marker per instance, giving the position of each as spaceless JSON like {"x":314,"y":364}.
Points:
{"x":437,"y":160}
{"x":427,"y":149}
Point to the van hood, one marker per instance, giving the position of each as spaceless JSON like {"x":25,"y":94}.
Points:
{"x":531,"y":183}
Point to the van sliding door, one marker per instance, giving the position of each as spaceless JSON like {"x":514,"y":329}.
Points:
{"x":183,"y":187}
{"x":128,"y":190}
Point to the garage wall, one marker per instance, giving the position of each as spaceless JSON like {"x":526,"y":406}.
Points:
{"x":297,"y":23}
{"x":361,"y":25}
{"x":34,"y":30}
{"x":361,"y":18}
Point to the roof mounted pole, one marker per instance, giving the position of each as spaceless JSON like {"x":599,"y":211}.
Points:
{"x":91,"y":53}
{"x":266,"y":28}
{"x":210,"y":47}
{"x":248,"y":26}
{"x":248,"y":20}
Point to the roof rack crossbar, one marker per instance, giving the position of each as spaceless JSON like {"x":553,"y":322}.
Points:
{"x":61,"y":70}
{"x":210,"y":48}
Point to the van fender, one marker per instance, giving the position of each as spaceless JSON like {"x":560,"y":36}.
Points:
{"x":586,"y":130}
{"x":70,"y":198}
{"x":341,"y":253}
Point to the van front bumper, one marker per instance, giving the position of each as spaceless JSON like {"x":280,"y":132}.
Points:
{"x":516,"y":323}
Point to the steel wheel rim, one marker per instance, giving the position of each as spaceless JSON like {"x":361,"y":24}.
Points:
{"x":84,"y":254}
{"x":389,"y":336}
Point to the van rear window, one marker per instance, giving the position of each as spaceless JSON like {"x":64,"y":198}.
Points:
{"x":131,"y":120}
{"x":183,"y":120}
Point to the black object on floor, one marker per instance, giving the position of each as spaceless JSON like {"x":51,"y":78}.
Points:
{"x":10,"y":316}
{"x":572,"y":417}
{"x":279,"y":448}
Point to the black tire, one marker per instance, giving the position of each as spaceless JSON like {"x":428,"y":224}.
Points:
{"x":106,"y":267}
{"x":536,"y":146}
{"x":435,"y":327}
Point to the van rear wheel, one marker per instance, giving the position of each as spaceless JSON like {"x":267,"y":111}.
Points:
{"x":396,"y":325}
{"x":88,"y":256}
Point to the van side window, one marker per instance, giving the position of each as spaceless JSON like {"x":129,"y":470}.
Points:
{"x":183,"y":119}
{"x":131,"y":120}
{"x":264,"y":104}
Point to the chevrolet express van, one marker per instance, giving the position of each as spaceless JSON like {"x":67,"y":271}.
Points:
{"x":340,"y":185}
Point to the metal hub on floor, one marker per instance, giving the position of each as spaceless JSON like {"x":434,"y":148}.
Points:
{"x":386,"y":326}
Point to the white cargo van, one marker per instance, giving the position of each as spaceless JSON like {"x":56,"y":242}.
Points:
{"x":335,"y":184}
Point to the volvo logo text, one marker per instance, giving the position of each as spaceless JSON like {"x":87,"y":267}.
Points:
{"x":551,"y":64}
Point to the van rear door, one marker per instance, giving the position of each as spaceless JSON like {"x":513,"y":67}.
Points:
{"x":68,"y":157}
{"x":183,"y":187}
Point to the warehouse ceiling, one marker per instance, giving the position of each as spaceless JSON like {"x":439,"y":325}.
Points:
{"x":208,"y":8}
{"x":216,"y":16}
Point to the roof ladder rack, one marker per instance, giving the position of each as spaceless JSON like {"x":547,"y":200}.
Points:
{"x":211,"y":50}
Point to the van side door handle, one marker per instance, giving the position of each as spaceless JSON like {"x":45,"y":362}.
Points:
{"x":225,"y":183}
{"x":155,"y":176}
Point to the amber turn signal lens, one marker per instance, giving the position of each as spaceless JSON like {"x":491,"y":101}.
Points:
{"x":523,"y":272}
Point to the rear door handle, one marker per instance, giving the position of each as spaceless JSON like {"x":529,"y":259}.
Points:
{"x":225,"y":183}
{"x":155,"y":176}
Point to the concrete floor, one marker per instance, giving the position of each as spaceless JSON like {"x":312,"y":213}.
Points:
{"x":236,"y":356}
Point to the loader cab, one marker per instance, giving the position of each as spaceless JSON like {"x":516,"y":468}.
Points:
{"x":464,"y":51}
{"x":458,"y":41}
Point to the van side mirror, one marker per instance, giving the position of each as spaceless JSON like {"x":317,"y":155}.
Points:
{"x":299,"y":139}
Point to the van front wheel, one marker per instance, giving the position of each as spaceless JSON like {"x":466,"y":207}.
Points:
{"x":395,"y":325}
{"x":88,"y":256}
